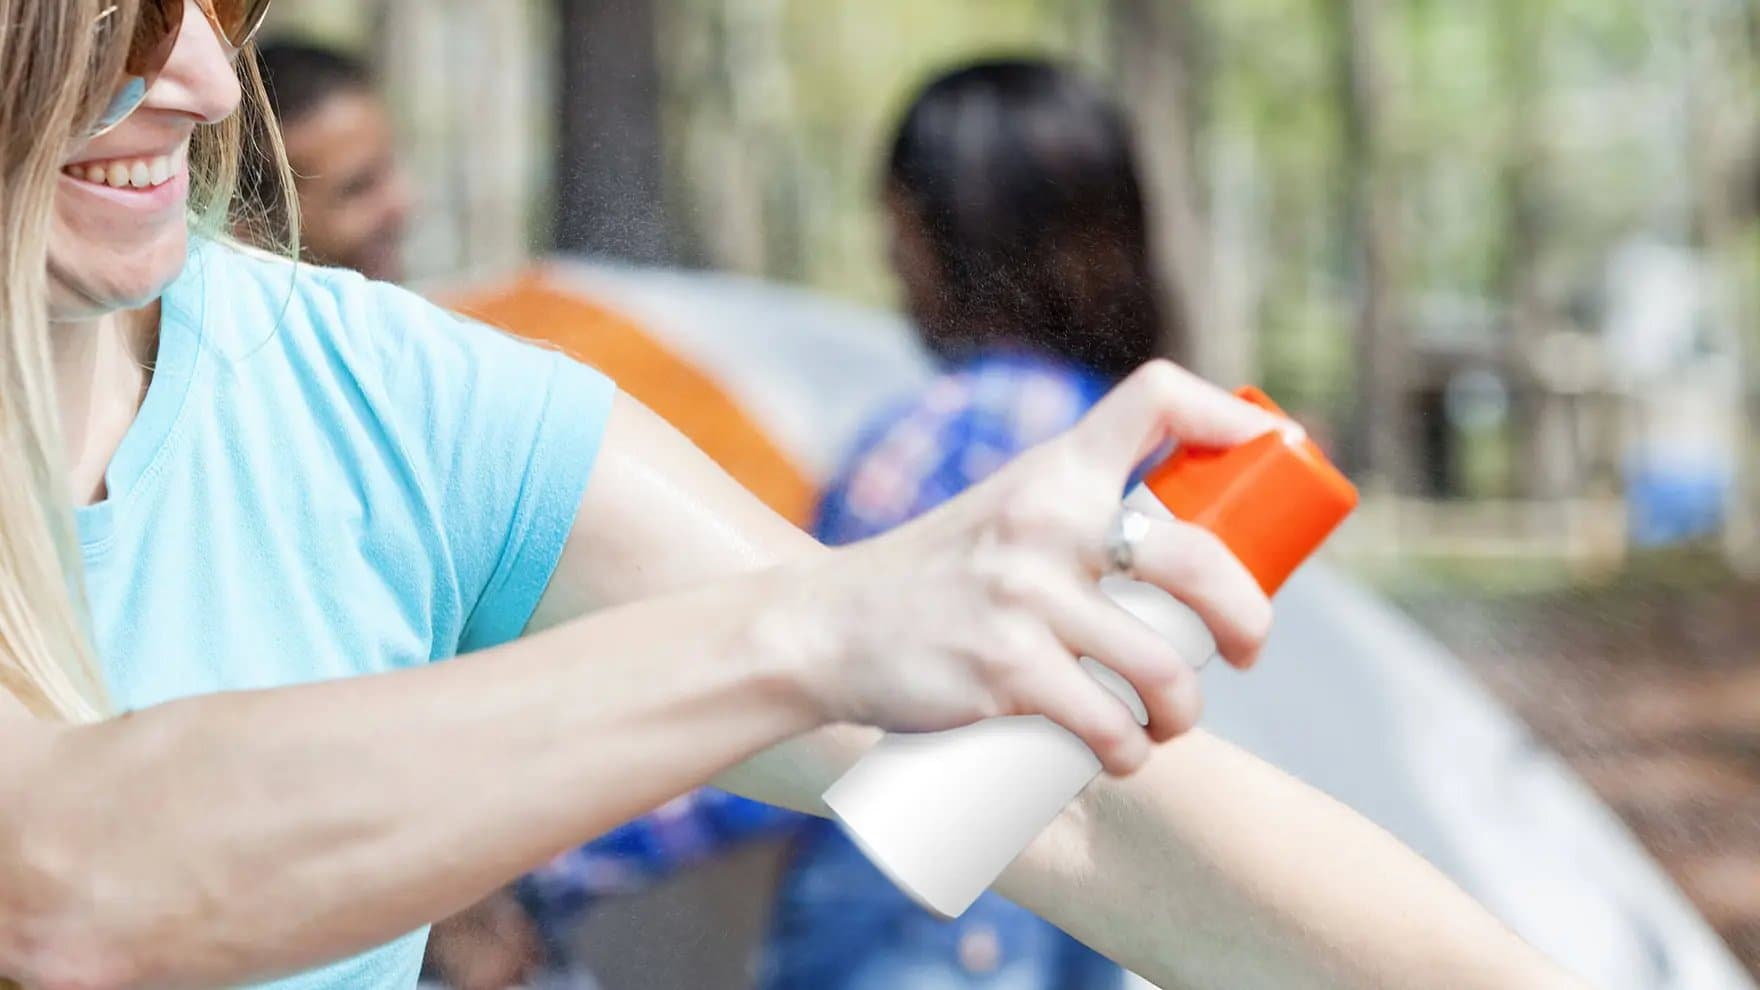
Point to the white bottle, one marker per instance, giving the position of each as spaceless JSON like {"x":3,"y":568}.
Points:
{"x":943,"y":814}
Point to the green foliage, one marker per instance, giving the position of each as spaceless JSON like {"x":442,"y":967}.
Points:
{"x":1521,"y":141}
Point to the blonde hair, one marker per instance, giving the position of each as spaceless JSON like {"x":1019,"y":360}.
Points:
{"x":55,"y":76}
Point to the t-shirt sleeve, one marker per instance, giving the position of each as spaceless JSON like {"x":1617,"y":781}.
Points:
{"x":507,"y":433}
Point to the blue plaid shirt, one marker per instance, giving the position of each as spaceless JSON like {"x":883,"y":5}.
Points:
{"x":687,"y":830}
{"x":957,"y":432}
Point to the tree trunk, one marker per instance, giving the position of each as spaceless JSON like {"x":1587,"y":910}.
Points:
{"x":1154,"y":41}
{"x":1723,"y":114}
{"x":1540,"y":464}
{"x":609,"y":182}
{"x":455,"y":74}
{"x":1381,"y":428}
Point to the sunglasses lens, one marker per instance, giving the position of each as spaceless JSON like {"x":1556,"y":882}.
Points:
{"x":129,"y":95}
{"x":155,"y":35}
{"x":239,"y":19}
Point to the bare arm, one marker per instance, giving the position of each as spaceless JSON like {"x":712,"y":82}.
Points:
{"x":229,"y":838}
{"x":1206,"y":868}
{"x":232,"y":837}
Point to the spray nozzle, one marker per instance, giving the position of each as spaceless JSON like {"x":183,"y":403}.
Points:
{"x":1272,"y":500}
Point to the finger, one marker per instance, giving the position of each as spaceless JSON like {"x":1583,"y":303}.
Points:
{"x":1062,"y":691}
{"x":1091,"y":625}
{"x":1160,"y":402}
{"x":1192,"y":565}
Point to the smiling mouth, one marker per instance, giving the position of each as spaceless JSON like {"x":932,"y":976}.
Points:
{"x":130,"y":173}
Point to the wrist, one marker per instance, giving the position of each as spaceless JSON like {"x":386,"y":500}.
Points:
{"x":788,"y":647}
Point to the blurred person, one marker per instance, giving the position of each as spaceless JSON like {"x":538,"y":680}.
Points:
{"x":1018,"y":235}
{"x":388,"y":607}
{"x":355,"y":208}
{"x":355,"y":198}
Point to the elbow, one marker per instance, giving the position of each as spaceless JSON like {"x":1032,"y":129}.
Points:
{"x":74,"y":915}
{"x":52,"y":937}
{"x":57,"y":925}
{"x":57,"y":953}
{"x":72,"y":973}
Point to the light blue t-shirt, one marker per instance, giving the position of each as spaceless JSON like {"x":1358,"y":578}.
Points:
{"x":329,"y":477}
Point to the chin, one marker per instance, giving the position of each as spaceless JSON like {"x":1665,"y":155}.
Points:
{"x":98,"y":278}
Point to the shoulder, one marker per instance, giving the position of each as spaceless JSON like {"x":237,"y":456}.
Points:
{"x":334,"y":325}
{"x":244,"y":296}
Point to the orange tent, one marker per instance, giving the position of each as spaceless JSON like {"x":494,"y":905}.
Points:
{"x":533,"y":306}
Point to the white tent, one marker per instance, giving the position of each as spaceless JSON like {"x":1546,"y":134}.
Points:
{"x":1358,"y":701}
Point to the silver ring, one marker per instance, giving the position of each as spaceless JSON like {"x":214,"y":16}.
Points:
{"x":1129,"y":529}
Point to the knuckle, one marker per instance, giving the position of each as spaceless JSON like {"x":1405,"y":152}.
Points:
{"x":1106,"y":736}
{"x":1018,"y":585}
{"x":1036,"y":514}
{"x":987,"y":566}
{"x":1013,"y":580}
{"x":1006,"y":649}
{"x":1164,"y":671}
{"x":1162,"y":379}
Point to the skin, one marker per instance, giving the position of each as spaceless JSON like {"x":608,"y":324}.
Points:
{"x":355,"y":199}
{"x":690,"y":635}
{"x":111,"y":252}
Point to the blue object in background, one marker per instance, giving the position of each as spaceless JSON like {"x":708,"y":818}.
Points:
{"x":1674,"y":504}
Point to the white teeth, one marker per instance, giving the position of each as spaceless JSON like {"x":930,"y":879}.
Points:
{"x":139,"y":173}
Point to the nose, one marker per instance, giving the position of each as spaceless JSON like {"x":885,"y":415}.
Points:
{"x":198,"y":79}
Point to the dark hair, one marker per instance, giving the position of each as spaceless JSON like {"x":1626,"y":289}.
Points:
{"x":298,"y":77}
{"x":1022,"y":177}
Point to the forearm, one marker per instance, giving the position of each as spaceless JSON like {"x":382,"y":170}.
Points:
{"x":1210,"y":868}
{"x":1207,"y":868}
{"x":226,"y":838}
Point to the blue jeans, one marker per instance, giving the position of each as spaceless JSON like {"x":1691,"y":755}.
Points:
{"x":841,"y":925}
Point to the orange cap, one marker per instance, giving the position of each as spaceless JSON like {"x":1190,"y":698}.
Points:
{"x":1272,"y":501}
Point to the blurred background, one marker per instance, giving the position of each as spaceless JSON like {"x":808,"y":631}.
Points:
{"x":1501,"y":256}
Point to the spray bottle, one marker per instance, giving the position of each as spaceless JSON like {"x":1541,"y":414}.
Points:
{"x":944,"y":813}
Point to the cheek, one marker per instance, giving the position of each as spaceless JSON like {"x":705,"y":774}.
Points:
{"x":101,"y":260}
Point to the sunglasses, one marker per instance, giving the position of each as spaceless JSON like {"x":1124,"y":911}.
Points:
{"x":155,"y":35}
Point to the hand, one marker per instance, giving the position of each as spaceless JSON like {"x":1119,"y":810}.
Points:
{"x":981,"y":608}
{"x":489,"y":946}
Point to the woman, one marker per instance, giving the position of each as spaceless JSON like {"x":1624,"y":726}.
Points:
{"x":1019,"y":236}
{"x":296,"y":489}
